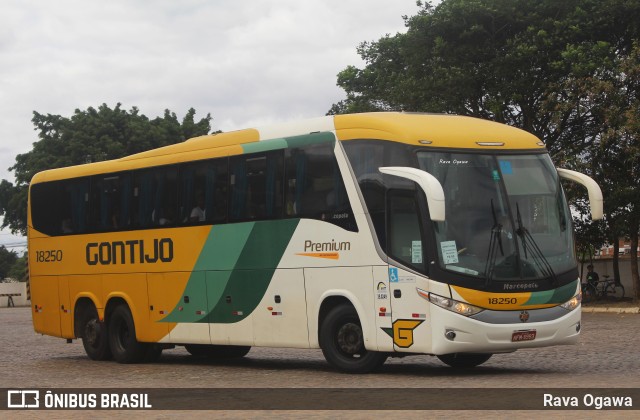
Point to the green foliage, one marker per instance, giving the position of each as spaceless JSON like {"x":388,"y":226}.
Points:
{"x":566,"y":71}
{"x":7,"y":260}
{"x":89,"y":136}
{"x":494,"y":59}
{"x":18,"y":270}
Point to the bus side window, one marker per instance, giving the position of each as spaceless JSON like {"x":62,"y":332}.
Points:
{"x":153,"y":197}
{"x":256,"y":187}
{"x":47,"y":210}
{"x":203,"y":192}
{"x":76,"y":202}
{"x":315,"y":189}
{"x":404,"y":238}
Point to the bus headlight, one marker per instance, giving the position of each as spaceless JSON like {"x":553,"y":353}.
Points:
{"x":450,"y":304}
{"x":573,"y":303}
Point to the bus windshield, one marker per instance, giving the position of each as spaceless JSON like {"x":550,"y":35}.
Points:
{"x":506,"y":216}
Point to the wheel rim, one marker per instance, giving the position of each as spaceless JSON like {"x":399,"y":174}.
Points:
{"x":349,"y":340}
{"x":92,"y":333}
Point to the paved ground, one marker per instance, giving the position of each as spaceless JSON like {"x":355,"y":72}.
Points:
{"x":608,"y":356}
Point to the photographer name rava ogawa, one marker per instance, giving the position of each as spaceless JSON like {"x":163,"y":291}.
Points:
{"x":597,"y":402}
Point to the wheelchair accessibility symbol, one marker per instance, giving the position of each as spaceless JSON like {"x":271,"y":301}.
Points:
{"x":393,"y":275}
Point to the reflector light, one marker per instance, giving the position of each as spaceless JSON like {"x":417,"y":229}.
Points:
{"x":490,"y":143}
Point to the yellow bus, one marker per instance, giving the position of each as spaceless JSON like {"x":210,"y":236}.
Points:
{"x":366,"y":235}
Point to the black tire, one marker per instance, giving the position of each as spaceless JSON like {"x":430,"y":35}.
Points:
{"x":210,"y":351}
{"x":342,"y":342}
{"x":615,"y":291}
{"x":589,"y":293}
{"x":464,"y":360}
{"x":122,"y":337}
{"x":95,"y":339}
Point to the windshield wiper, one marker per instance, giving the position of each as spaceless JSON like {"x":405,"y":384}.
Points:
{"x":494,"y":243}
{"x":536,"y":252}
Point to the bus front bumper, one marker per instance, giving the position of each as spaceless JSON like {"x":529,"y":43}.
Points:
{"x":454,"y":333}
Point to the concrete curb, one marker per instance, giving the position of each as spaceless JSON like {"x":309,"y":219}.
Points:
{"x":611,"y":310}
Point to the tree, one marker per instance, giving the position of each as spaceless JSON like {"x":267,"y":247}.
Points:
{"x":18,"y":270}
{"x":608,"y":92}
{"x":7,"y":260}
{"x":89,"y":136}
{"x":564,"y":71}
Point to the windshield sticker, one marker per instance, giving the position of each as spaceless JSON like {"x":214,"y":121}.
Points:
{"x":496,"y":175}
{"x":453,"y":162}
{"x":449,"y":252}
{"x":505,"y":167}
{"x":416,"y":252}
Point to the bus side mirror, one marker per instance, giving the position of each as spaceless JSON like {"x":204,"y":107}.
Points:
{"x":429,"y":184}
{"x":595,"y":194}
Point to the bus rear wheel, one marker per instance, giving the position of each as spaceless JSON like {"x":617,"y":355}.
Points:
{"x":122,"y":337}
{"x":216,"y":351}
{"x":342,"y":342}
{"x":464,"y":360}
{"x":95,"y":339}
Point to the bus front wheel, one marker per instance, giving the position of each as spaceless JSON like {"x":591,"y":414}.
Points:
{"x":122,"y":337}
{"x":464,"y":360}
{"x":342,"y":342}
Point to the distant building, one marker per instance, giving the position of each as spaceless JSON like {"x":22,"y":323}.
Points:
{"x":624,"y":251}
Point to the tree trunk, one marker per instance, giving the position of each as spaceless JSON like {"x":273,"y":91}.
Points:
{"x":616,"y":256}
{"x":635,"y":278}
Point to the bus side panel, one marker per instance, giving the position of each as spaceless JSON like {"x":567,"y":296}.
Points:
{"x":352,"y":283}
{"x":131,"y":287}
{"x":382,"y":291}
{"x":190,"y":311}
{"x":410,"y":312}
{"x":87,"y":286}
{"x":160,"y":303}
{"x":280,"y":320}
{"x":232,"y":300}
{"x":66,"y":309}
{"x":45,"y":305}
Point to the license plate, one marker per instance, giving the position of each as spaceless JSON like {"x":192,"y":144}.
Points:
{"x":523,"y":335}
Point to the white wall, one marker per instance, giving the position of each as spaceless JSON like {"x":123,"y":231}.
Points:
{"x":14,"y":288}
{"x":605,"y":266}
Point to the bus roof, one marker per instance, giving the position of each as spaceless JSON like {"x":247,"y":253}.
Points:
{"x":430,"y":130}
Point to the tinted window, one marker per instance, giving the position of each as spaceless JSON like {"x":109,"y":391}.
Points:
{"x":246,"y":187}
{"x":110,"y":202}
{"x":366,"y":157}
{"x":154,"y":198}
{"x":315,"y":188}
{"x":203,"y":192}
{"x":256,"y":186}
{"x":60,"y":207}
{"x":404,"y":230}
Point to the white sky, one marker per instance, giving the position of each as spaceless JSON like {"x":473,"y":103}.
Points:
{"x":247,"y":62}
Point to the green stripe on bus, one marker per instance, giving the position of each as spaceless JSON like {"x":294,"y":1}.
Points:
{"x":264,"y":146}
{"x":559,"y":295}
{"x":220,"y":252}
{"x":312,"y":138}
{"x":254,"y":270}
{"x":239,"y":261}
